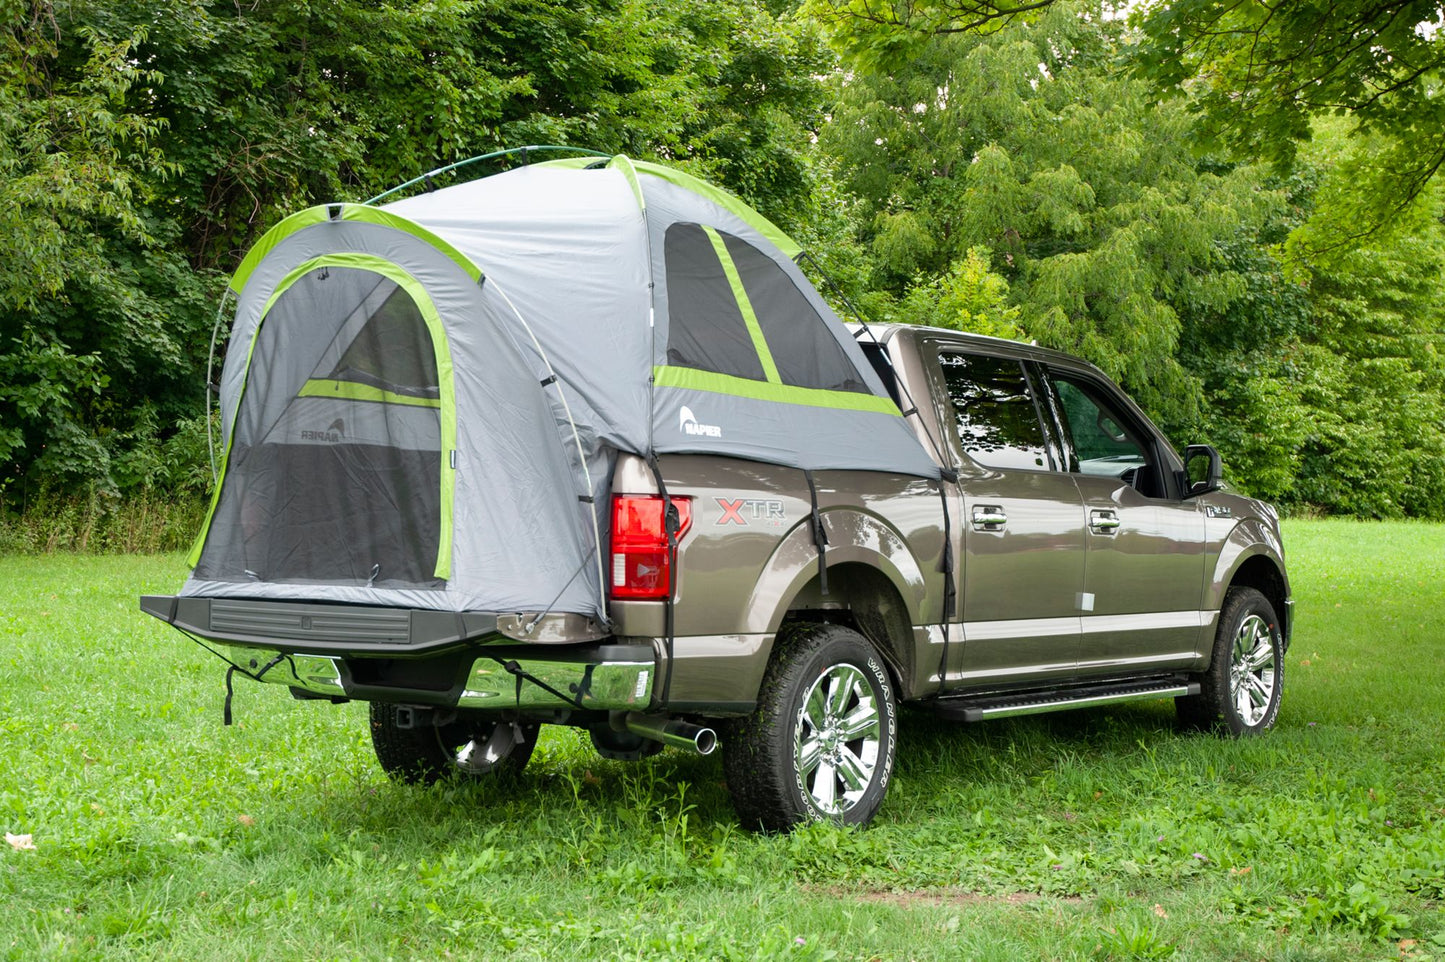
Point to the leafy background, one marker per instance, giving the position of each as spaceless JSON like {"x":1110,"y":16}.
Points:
{"x":1261,"y":269}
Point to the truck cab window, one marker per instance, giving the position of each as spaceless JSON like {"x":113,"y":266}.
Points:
{"x":1100,"y":441}
{"x":998,"y":421}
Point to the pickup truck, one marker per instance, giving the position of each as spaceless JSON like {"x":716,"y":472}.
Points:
{"x":1033,"y":543}
{"x":1091,"y":570}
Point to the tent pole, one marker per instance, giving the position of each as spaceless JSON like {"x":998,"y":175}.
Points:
{"x":210,"y":365}
{"x":480,"y":157}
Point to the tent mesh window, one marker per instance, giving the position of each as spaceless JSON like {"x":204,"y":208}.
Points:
{"x":335,"y":464}
{"x":806,"y":354}
{"x":393,"y":350}
{"x":732,"y":310}
{"x":706,"y":327}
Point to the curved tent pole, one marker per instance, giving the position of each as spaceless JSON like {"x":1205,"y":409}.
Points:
{"x":581,"y":455}
{"x":210,"y":365}
{"x":477,"y":159}
{"x":948,"y":475}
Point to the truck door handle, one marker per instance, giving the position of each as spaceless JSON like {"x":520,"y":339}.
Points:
{"x":988,"y":517}
{"x":1104,"y":522}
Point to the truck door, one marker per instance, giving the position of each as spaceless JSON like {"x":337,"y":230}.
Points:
{"x":1144,"y":566}
{"x":1022,"y":546}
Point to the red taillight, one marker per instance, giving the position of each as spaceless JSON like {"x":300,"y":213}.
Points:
{"x":641,"y":567}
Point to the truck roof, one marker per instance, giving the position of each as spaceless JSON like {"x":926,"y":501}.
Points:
{"x":992,"y":345}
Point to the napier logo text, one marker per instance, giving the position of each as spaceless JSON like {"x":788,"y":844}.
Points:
{"x":334,"y":433}
{"x":687,"y":424}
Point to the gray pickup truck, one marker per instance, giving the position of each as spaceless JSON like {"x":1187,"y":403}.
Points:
{"x":755,"y":573}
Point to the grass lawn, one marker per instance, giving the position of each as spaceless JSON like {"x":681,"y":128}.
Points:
{"x":1100,"y":834}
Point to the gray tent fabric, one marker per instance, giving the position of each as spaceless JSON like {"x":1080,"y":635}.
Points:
{"x":422,"y":403}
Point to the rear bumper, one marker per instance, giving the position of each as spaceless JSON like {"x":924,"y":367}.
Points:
{"x":447,"y":659}
{"x":593,"y":678}
{"x":596,"y":678}
{"x":319,"y":628}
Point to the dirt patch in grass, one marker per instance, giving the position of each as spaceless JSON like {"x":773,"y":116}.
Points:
{"x":911,"y":898}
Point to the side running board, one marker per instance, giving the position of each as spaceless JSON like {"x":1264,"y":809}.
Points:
{"x":977,"y":708}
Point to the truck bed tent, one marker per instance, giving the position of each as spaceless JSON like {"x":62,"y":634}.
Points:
{"x":421,"y":401}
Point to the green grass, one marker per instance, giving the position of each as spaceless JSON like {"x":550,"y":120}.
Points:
{"x":1087,"y":835}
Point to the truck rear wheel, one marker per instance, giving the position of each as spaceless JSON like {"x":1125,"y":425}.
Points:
{"x":467,"y":747}
{"x":821,"y":743}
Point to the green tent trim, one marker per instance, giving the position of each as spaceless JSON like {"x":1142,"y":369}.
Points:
{"x":702,"y":188}
{"x":745,"y":306}
{"x":624,"y":163}
{"x":441,"y":349}
{"x":322,"y":214}
{"x":714,"y":383}
{"x":357,"y":391}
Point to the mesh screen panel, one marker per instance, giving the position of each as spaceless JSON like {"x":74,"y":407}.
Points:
{"x":707,"y":330}
{"x":804,"y":351}
{"x":334,"y":473}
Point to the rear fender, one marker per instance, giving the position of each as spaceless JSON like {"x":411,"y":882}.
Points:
{"x":853,"y":538}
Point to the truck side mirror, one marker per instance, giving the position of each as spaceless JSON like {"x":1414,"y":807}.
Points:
{"x":1203,"y":469}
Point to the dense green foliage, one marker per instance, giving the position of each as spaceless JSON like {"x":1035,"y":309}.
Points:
{"x":1032,"y":143}
{"x":1213,"y":289}
{"x":1003,"y":167}
{"x":99,"y":308}
{"x":1260,"y":74}
{"x":1093,"y":835}
{"x":144,"y":145}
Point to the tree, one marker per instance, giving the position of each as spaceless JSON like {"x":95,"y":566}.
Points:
{"x":1033,"y":142}
{"x":1260,"y":72}
{"x":146,"y":144}
{"x":94,"y":307}
{"x":1371,"y":372}
{"x":874,"y":32}
{"x":968,"y":297}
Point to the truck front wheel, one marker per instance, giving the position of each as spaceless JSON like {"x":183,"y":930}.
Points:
{"x":1240,"y":692}
{"x":821,"y":743}
{"x":469,"y":746}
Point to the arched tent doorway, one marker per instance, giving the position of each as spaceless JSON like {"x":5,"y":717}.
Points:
{"x":361,"y":343}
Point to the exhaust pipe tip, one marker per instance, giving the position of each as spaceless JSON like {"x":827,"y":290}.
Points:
{"x":674,"y":732}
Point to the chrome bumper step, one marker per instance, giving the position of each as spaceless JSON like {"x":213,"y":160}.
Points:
{"x":975,"y":708}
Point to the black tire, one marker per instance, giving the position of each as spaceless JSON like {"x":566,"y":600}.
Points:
{"x":819,"y":675}
{"x":470,"y":747}
{"x":1240,"y":693}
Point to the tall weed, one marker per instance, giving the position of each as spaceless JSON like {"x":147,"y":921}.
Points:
{"x":102,"y":524}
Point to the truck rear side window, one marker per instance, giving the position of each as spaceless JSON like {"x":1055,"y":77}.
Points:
{"x":998,"y":422}
{"x":877,"y":356}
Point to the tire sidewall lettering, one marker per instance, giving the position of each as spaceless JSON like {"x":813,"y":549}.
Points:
{"x":880,"y":676}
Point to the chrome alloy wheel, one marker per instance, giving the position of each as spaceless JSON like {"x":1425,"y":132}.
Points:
{"x":837,"y":735}
{"x":1251,"y":670}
